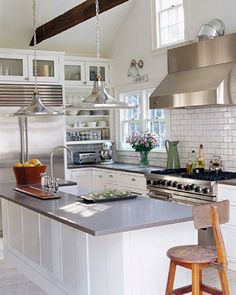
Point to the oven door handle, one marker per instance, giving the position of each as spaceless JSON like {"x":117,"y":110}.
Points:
{"x":159,"y":194}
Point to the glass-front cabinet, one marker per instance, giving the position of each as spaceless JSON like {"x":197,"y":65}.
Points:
{"x":91,"y":72}
{"x":75,"y":73}
{"x":83,"y":72}
{"x":13,"y":68}
{"x":47,"y":68}
{"x":18,"y":66}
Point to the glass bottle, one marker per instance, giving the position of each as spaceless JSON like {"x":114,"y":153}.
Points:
{"x":194,"y":159}
{"x":200,"y":164}
{"x":191,"y":164}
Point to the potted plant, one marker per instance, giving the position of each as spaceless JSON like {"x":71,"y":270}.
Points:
{"x":143,"y":143}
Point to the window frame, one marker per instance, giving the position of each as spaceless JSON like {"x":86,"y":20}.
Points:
{"x":156,"y":32}
{"x":145,"y":120}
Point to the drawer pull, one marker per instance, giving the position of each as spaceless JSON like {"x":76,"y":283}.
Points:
{"x":100,"y":176}
{"x":111,"y":176}
{"x":133,"y":179}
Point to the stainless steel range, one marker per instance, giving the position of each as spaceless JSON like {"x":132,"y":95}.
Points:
{"x":178,"y":186}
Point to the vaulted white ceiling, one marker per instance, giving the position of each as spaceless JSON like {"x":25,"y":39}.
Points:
{"x":16,"y":26}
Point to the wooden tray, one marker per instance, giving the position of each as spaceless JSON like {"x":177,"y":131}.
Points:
{"x":36,"y":192}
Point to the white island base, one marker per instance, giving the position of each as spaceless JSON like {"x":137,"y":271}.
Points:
{"x":62,"y":260}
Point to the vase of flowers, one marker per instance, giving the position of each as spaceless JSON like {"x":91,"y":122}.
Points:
{"x":143,"y":143}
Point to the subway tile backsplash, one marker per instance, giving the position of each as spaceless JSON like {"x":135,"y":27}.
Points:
{"x":214,"y":127}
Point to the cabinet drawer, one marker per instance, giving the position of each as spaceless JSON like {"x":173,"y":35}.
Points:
{"x":133,"y":180}
{"x":111,"y":176}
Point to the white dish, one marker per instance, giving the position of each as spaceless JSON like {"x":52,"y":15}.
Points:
{"x":102,"y":123}
{"x":82,"y":124}
{"x":72,"y":112}
{"x":92,"y":124}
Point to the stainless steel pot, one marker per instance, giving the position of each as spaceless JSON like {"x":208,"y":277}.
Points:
{"x":216,"y":163}
{"x":215,"y":28}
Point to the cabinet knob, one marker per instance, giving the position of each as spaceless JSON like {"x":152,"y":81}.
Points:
{"x":26,"y":78}
{"x":84,"y":82}
{"x":111,"y":176}
{"x":133,"y":179}
{"x":100,"y":176}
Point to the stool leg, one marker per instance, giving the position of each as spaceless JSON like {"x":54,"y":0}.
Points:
{"x":200,"y":280}
{"x":171,"y":278}
{"x":195,"y":279}
{"x":224,"y":282}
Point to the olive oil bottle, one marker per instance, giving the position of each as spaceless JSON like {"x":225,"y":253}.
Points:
{"x":200,"y":164}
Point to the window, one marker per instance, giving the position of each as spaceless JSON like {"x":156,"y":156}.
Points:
{"x":170,"y":25}
{"x":142,"y":119}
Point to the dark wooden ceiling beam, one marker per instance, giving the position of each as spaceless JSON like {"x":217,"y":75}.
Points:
{"x":72,"y":17}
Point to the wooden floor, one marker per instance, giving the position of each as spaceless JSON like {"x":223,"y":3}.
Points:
{"x":13,"y":282}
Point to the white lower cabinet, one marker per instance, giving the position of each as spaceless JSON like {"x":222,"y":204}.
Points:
{"x":15,"y":238}
{"x":83,"y":177}
{"x":98,"y":179}
{"x":226,"y":192}
{"x":30,"y":225}
{"x":108,"y":179}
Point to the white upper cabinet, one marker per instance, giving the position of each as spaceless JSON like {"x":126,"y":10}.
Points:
{"x":18,"y":66}
{"x":91,"y":72}
{"x":13,"y":67}
{"x":47,"y":68}
{"x":82,"y":71}
{"x":75,"y":73}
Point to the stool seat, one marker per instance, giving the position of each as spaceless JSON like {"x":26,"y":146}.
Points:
{"x":193,"y":254}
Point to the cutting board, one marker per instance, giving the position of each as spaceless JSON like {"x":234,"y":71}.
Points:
{"x":36,"y":192}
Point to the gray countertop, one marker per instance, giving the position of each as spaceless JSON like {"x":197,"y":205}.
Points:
{"x":118,"y":166}
{"x":103,"y":218}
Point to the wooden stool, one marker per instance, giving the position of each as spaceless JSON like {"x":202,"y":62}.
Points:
{"x":197,"y":257}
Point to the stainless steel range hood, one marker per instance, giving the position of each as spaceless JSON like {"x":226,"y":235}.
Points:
{"x":200,"y":74}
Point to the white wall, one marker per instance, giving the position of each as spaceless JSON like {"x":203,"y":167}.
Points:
{"x":134,"y":39}
{"x":214,"y":127}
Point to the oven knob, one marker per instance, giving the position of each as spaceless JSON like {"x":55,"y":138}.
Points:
{"x":193,"y":187}
{"x":169,"y":183}
{"x":174,"y":184}
{"x":187,"y":187}
{"x":158,"y":182}
{"x":180,"y":186}
{"x":198,"y":189}
{"x":148,"y":182}
{"x":164,"y":182}
{"x":206,"y":190}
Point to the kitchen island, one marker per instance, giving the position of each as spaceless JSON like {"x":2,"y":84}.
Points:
{"x":117,"y":248}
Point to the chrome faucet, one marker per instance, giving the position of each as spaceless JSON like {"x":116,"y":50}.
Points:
{"x":57,"y":148}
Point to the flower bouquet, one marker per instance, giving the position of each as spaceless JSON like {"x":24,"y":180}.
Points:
{"x":143,"y":143}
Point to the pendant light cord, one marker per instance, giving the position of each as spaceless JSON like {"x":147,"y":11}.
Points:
{"x":97,"y":37}
{"x":35,"y":70}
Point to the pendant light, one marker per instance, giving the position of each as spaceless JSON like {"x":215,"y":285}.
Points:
{"x":36,"y":108}
{"x":99,"y":98}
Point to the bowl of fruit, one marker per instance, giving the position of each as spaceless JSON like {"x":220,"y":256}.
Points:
{"x":29,"y":172}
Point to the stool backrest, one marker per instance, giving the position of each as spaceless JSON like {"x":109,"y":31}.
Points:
{"x":214,"y":215}
{"x":202,"y":214}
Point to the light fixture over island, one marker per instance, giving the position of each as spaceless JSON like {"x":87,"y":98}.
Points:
{"x":68,"y":247}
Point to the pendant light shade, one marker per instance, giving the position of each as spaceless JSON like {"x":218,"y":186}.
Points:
{"x":36,"y":108}
{"x":100,"y":99}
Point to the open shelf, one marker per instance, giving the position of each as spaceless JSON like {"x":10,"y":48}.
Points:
{"x":88,"y":116}
{"x":87,"y":141}
{"x":86,"y":128}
